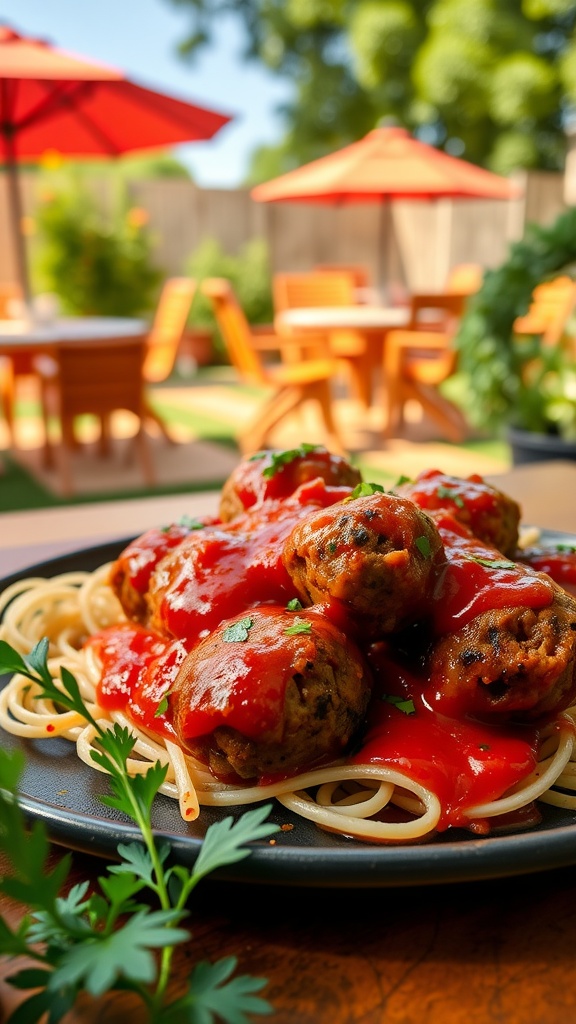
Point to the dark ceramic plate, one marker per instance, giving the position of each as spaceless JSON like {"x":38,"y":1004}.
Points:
{"x":63,"y":792}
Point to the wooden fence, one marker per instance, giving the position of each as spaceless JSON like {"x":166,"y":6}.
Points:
{"x":412,"y":244}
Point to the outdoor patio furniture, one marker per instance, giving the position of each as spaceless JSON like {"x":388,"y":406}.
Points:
{"x":93,"y":378}
{"x":291,"y":383}
{"x":464,"y":279}
{"x":322,"y":288}
{"x":165,"y":336}
{"x":418,"y":359}
{"x":552,"y":303}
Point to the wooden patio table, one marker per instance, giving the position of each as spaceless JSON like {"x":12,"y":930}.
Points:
{"x":496,"y":950}
{"x":370,"y":322}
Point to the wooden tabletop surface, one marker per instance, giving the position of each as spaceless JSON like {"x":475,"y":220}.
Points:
{"x":465,"y":953}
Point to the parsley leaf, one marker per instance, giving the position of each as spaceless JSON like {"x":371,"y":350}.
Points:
{"x":281,"y":459}
{"x":493,"y":563}
{"x":301,"y":626}
{"x":237,"y":631}
{"x":294,"y":605}
{"x":423,"y":545}
{"x":364,"y":490}
{"x":191,"y":523}
{"x":104,"y":940}
{"x":405,"y":705}
{"x":451,"y":494}
{"x":220,"y":998}
{"x":162,"y":706}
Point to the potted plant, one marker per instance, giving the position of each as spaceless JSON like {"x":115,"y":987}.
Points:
{"x":515,"y":383}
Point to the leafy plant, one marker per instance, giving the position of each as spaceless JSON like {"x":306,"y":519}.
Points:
{"x":94,"y":267}
{"x":249,"y":274}
{"x":111,"y":939}
{"x":512,"y":380}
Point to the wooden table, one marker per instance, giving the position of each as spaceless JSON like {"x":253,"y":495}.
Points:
{"x":21,"y":336}
{"x":370,"y":323}
{"x":373,"y":319}
{"x":497,"y":951}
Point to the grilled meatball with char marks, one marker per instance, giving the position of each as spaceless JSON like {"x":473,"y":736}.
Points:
{"x":380,"y":556}
{"x":274,"y":475}
{"x":270,"y":692}
{"x":518,"y":662}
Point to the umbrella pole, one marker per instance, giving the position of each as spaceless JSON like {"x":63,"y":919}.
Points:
{"x":15,"y":215}
{"x":383,"y":254}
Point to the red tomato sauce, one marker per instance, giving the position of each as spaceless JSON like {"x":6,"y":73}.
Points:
{"x":559,"y":563}
{"x":465,"y":762}
{"x":138,"y":669}
{"x":479,"y":579}
{"x":224,"y":570}
{"x":227,"y":569}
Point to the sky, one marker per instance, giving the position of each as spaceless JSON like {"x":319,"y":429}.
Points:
{"x":141,"y":37}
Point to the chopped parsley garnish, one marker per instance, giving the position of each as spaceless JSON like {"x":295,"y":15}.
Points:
{"x":162,"y":707}
{"x":294,"y":605}
{"x":238,"y":631}
{"x":332,"y":547}
{"x":364,"y":490}
{"x":404,"y":704}
{"x":565,"y":548}
{"x":187,"y":522}
{"x":281,"y":459}
{"x":449,"y":492}
{"x":402,"y":480}
{"x":191,"y":523}
{"x":302,"y":626}
{"x":423,"y":545}
{"x":483,"y":746}
{"x":257,"y":456}
{"x":493,"y":563}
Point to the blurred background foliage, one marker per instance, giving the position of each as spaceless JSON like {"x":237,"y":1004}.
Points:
{"x":95,"y":264}
{"x":250,"y":275}
{"x":493,"y":81}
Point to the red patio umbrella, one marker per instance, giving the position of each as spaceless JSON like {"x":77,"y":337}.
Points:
{"x":387,"y":164}
{"x":53,"y":100}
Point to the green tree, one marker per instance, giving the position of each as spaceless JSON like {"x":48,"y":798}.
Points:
{"x":493,"y":81}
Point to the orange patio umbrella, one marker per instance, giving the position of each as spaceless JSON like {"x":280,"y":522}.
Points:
{"x":387,"y":164}
{"x":53,"y":100}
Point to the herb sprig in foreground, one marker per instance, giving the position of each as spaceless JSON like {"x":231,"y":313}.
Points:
{"x":109,"y":939}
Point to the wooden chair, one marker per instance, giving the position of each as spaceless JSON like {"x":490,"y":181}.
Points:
{"x":165,"y":336}
{"x":552,"y":304}
{"x":420,"y":357}
{"x":99,"y":379}
{"x":464,"y":279}
{"x":330,"y":288}
{"x":292,"y":383}
{"x":359,"y":274}
{"x":16,"y":365}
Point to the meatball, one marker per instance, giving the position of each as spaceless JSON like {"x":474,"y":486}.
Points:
{"x":270,"y":692}
{"x":131,"y":573}
{"x":490,"y":515}
{"x":271,"y":475}
{"x":518,"y":662}
{"x":379,"y":555}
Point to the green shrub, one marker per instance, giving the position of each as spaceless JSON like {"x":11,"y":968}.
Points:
{"x":95,"y":267}
{"x":249,"y":274}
